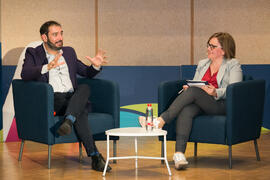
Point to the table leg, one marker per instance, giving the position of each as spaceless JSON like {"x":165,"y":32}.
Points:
{"x":136,"y":153}
{"x":165,"y":155}
{"x":108,"y":155}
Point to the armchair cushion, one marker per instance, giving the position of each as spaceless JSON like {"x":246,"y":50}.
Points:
{"x":209,"y":129}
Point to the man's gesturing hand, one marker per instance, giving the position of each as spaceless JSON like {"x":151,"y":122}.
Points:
{"x":54,"y":63}
{"x":99,"y":59}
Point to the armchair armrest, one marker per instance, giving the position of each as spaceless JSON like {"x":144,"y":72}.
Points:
{"x":244,"y":106}
{"x":33,"y":105}
{"x":104,"y":97}
{"x":167,"y":92}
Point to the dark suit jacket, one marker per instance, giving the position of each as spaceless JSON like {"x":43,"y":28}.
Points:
{"x":35,"y":58}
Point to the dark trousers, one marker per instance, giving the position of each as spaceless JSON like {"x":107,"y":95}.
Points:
{"x":76,"y":104}
{"x":185,"y":107}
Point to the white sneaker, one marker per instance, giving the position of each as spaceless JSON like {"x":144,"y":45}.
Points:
{"x":180,"y":161}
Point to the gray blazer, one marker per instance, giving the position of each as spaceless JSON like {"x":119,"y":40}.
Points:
{"x":229,"y":72}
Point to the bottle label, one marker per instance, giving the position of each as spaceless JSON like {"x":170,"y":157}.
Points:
{"x":149,"y":117}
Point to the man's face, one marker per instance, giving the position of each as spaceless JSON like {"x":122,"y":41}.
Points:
{"x":55,"y":37}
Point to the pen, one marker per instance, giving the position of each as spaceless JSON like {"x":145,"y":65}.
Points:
{"x":181,"y":91}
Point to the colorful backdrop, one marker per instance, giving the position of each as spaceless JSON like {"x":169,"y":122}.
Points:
{"x":1,"y":99}
{"x":138,"y":87}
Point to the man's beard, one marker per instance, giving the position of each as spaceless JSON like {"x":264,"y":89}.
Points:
{"x":53,"y":46}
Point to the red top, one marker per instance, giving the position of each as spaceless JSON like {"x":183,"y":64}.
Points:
{"x":210,"y":79}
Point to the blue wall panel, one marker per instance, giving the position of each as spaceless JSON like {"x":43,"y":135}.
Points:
{"x":8,"y":73}
{"x":139,"y":84}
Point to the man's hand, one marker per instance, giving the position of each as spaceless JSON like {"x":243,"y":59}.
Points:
{"x":54,"y":63}
{"x":210,"y":89}
{"x":99,"y":59}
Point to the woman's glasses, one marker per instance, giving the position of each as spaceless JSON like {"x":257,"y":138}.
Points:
{"x":212,"y":46}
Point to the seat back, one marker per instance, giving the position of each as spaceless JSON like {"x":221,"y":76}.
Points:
{"x":104,"y":97}
{"x":167,"y":92}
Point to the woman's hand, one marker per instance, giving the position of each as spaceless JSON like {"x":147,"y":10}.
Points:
{"x":185,"y":87}
{"x":210,"y":89}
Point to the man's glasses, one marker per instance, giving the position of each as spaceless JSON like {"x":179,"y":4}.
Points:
{"x":212,"y":46}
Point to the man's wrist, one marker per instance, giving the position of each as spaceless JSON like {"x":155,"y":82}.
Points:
{"x":96,"y":67}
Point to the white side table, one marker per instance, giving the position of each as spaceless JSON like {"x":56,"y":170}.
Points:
{"x":135,"y":132}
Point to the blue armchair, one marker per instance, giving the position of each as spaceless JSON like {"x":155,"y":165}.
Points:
{"x":243,"y":120}
{"x":34,"y":112}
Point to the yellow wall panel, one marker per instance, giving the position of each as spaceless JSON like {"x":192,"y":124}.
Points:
{"x":247,"y":21}
{"x":139,"y":32}
{"x":21,"y":21}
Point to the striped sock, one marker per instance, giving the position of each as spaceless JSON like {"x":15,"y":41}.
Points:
{"x":71,"y":118}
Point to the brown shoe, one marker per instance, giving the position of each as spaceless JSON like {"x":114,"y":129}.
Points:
{"x":65,"y":128}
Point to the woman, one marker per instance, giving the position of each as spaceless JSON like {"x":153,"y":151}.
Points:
{"x":220,"y":69}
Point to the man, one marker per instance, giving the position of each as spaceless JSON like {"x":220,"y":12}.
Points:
{"x":53,"y":63}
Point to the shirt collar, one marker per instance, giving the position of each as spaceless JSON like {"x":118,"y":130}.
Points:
{"x":48,"y":55}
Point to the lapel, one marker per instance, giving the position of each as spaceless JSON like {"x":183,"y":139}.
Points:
{"x":205,"y":68}
{"x":43,"y":59}
{"x":42,"y":55}
{"x":67,"y":59}
{"x":221,"y":71}
{"x":71,"y":63}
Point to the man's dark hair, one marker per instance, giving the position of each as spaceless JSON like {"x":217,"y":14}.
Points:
{"x":44,"y":29}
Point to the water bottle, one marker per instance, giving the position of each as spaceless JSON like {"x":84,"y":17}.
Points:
{"x":149,"y":117}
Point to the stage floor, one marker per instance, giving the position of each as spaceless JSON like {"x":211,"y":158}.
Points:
{"x":211,"y":162}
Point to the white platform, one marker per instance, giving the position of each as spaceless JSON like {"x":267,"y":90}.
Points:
{"x":135,"y":132}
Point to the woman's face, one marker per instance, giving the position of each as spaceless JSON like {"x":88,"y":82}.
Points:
{"x":214,"y":49}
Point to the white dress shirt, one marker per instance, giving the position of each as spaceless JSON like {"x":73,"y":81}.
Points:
{"x":58,"y":77}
